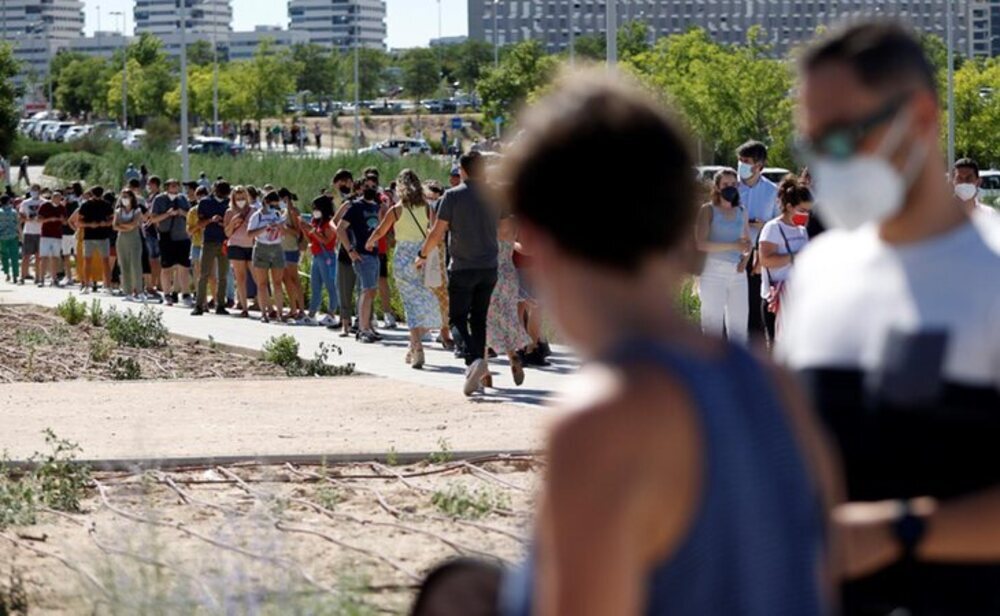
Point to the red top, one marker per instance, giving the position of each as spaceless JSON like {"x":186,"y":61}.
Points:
{"x":317,"y":248}
{"x":51,"y":210}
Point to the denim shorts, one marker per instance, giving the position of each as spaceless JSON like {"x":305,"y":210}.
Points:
{"x":367,"y":272}
{"x":195,"y":253}
{"x":292,"y":257}
{"x":152,"y":246}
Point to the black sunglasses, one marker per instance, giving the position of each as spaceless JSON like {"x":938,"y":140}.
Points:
{"x":841,"y":142}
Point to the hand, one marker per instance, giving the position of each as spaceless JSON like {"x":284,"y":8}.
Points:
{"x":216,"y":218}
{"x":419,"y":262}
{"x":370,"y":245}
{"x":744,"y":244}
{"x":355,"y":257}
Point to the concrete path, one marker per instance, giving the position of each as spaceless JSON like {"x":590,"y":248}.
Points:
{"x":385,"y":360}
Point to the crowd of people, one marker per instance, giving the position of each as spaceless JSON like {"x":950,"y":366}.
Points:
{"x":235,"y":250}
{"x":861,"y":475}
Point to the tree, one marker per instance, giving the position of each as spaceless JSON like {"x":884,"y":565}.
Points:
{"x":319,"y":69}
{"x":466,"y":62}
{"x":523,"y":69}
{"x":372,"y":64}
{"x":8,"y":107}
{"x":151,"y":76}
{"x":591,"y":47}
{"x":977,"y":112}
{"x":269,"y":77}
{"x":82,"y":86}
{"x":421,"y":73}
{"x":200,"y":53}
{"x":633,"y":39}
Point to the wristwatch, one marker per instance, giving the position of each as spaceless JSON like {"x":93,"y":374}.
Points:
{"x":910,"y":530}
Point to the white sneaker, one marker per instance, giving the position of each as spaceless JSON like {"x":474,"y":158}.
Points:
{"x":328,"y":321}
{"x":390,"y":321}
{"x":474,"y":375}
{"x":307,"y":320}
{"x":129,"y":298}
{"x":188,"y":301}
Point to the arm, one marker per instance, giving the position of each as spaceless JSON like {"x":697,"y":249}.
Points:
{"x":384,"y":226}
{"x":434,"y":238}
{"x":345,"y":241}
{"x":234,"y":223}
{"x":769,"y":256}
{"x":702,"y":228}
{"x":74,"y":220}
{"x":341,"y":211}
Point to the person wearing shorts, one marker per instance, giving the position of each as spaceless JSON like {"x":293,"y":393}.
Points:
{"x":52,"y":215}
{"x":68,"y":248}
{"x":151,"y":238}
{"x":291,"y":247}
{"x":169,"y":213}
{"x":266,"y":227}
{"x":31,"y":230}
{"x":211,"y":211}
{"x":96,"y":216}
{"x":240,"y":250}
{"x":354,"y":229}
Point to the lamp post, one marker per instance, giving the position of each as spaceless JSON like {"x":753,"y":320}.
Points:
{"x":124,"y":70}
{"x":357,"y":92}
{"x":612,"y":33}
{"x":185,"y":154}
{"x":572,"y":33}
{"x":951,"y":81}
{"x":496,"y":56}
{"x":215,"y":77}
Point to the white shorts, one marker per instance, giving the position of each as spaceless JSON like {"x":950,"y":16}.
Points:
{"x":68,"y":245}
{"x":50,"y":247}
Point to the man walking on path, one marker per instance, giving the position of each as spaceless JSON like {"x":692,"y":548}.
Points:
{"x":472,"y":274}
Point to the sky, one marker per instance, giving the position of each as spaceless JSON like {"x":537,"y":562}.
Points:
{"x":411,"y":23}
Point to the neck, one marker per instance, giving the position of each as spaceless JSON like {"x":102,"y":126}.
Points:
{"x":752,"y":181}
{"x":969,"y":207}
{"x":786,"y":218}
{"x":928,"y":211}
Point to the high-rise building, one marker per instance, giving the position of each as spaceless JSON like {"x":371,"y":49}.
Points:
{"x":785,"y":23}
{"x":339,"y":23}
{"x":162,"y":17}
{"x":38,"y":28}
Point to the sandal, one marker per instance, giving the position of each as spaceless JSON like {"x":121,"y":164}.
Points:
{"x":418,"y":359}
{"x":517,"y":369}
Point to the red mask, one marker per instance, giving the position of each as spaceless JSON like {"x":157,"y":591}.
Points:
{"x":800,"y":219}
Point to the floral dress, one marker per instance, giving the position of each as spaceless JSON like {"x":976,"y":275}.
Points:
{"x":504,"y":331}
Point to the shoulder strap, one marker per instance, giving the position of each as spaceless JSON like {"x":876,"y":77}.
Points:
{"x":791,"y":255}
{"x":415,"y":221}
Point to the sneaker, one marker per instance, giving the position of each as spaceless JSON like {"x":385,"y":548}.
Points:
{"x":221,"y":310}
{"x":367,"y":338}
{"x":517,"y":371}
{"x":198,"y":311}
{"x":40,"y":284}
{"x":418,"y":359}
{"x":389,"y":321}
{"x":130,"y":298}
{"x":83,"y":291}
{"x":174,"y":298}
{"x":474,"y":376}
{"x":544,"y":350}
{"x":534,"y":358}
{"x":328,"y":321}
{"x":308,"y":320}
{"x":187,"y":300}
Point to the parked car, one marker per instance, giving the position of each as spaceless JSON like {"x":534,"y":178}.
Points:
{"x":59,"y":133}
{"x":705,"y":173}
{"x":775,"y":174}
{"x":39,"y":129}
{"x":214,"y":145}
{"x":393,"y":148}
{"x":989,"y":189}
{"x":134,"y":139}
{"x":51,"y":133}
{"x":77,"y":132}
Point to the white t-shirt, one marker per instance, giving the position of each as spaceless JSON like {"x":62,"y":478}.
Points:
{"x":797,"y":240}
{"x":273,"y":219}
{"x":850,"y":291}
{"x":29,"y":208}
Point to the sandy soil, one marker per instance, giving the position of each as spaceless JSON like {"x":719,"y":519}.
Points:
{"x":202,"y":542}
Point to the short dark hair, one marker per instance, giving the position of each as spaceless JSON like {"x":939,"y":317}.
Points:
{"x":580,"y":131}
{"x":272,"y":197}
{"x":371,"y":171}
{"x":371,"y":177}
{"x":883,"y":54}
{"x":967,"y":163}
{"x":222,"y":189}
{"x":201,"y":191}
{"x":97,"y":191}
{"x":754,"y":150}
{"x":154,"y":179}
{"x":343,"y":174}
{"x":133,"y":183}
{"x":471,"y":163}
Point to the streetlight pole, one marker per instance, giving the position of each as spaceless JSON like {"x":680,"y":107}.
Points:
{"x":951,"y":82}
{"x":185,"y":154}
{"x":215,"y":77}
{"x":357,"y":91}
{"x":496,"y":55}
{"x":124,"y":71}
{"x":572,"y":33}
{"x":612,"y":33}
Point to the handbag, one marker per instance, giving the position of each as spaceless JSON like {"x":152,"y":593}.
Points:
{"x":433,"y":277}
{"x":777,"y":289}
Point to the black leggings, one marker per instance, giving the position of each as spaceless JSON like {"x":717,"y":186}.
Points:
{"x":469,"y":293}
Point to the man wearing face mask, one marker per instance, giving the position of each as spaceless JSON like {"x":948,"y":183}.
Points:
{"x":965,"y":179}
{"x":892,"y":318}
{"x":169,"y":214}
{"x":759,"y":196}
{"x":32,"y":230}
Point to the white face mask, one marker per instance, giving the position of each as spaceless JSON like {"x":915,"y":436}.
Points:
{"x":866,"y":188}
{"x":966,"y":192}
{"x":745,"y":170}
{"x":317,"y":214}
{"x":241,"y":203}
{"x":172,"y":196}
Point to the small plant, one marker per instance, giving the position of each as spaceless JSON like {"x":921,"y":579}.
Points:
{"x":13,"y":596}
{"x":282,"y":350}
{"x":329,"y":497}
{"x":211,"y":342}
{"x":125,"y":369}
{"x":35,"y":337}
{"x":392,"y":458}
{"x":143,"y":330}
{"x":444,"y":455}
{"x":96,"y":313}
{"x":458,"y":501}
{"x":101,"y":347}
{"x":17,"y":499}
{"x":72,"y":310}
{"x":61,"y":481}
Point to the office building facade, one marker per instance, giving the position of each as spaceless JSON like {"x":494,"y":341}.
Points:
{"x":37,"y":29}
{"x":162,"y":17}
{"x":785,"y":24}
{"x":340,"y":23}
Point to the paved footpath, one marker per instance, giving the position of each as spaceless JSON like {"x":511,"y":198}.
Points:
{"x":384,"y":360}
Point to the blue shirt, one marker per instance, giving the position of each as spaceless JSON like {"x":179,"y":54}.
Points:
{"x":761,"y":202}
{"x":207,"y":208}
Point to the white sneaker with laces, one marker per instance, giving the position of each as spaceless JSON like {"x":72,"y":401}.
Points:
{"x":390,"y":321}
{"x":328,"y":321}
{"x":307,"y":320}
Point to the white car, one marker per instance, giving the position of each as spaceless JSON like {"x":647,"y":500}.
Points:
{"x":393,"y":148}
{"x":706,"y":173}
{"x":989,"y":189}
{"x":77,"y":132}
{"x":40,"y":128}
{"x":134,"y":139}
{"x":775,"y":174}
{"x":52,"y":132}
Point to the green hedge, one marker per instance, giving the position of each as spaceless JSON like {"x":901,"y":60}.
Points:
{"x":38,"y":153}
{"x":71,"y":165}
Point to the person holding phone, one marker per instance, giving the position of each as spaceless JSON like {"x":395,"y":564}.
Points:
{"x":759,"y":196}
{"x":211,"y":212}
{"x":267,"y":227}
{"x":781,"y":240}
{"x":240,"y":245}
{"x":169,"y":214}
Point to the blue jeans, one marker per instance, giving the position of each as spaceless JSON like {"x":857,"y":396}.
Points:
{"x":367,"y":270}
{"x":323,"y":275}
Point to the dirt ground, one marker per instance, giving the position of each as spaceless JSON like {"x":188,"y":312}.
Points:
{"x":352,"y":539}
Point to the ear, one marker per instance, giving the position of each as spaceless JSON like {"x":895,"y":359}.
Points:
{"x":926,"y":113}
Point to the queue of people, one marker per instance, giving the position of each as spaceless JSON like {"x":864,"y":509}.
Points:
{"x":216,"y":248}
{"x":860,"y":476}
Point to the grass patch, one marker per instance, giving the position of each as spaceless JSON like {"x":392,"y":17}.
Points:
{"x":125,"y":369}
{"x":443,"y":455}
{"x":55,"y":480}
{"x":458,"y":501}
{"x":72,"y":310}
{"x":142,"y":330}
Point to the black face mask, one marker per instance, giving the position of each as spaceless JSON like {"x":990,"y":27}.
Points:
{"x":731,"y":194}
{"x":371,"y":194}
{"x":345,"y":190}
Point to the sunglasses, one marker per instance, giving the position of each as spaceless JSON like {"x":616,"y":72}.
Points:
{"x":842,"y":141}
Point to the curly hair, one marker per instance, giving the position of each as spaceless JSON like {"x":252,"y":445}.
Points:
{"x":409,"y":189}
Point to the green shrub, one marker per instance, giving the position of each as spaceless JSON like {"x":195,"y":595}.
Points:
{"x":689,"y":303}
{"x":38,"y":152}
{"x":72,"y":310}
{"x":282,"y":350}
{"x":71,"y":165}
{"x":125,"y":369}
{"x":61,"y":481}
{"x":458,"y":501}
{"x":17,"y":499}
{"x":101,"y":348}
{"x":161,"y":133}
{"x":143,"y":330}
{"x":96,"y":313}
